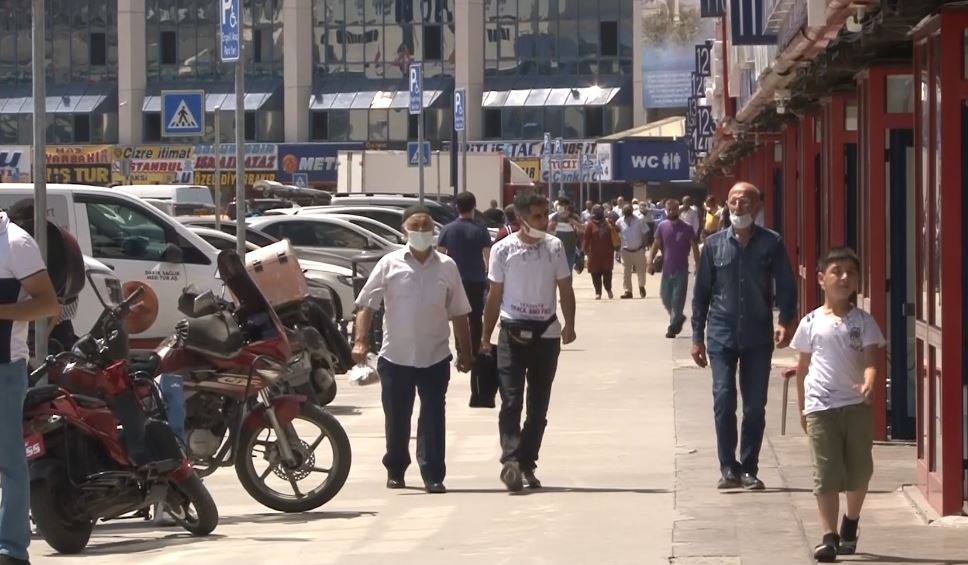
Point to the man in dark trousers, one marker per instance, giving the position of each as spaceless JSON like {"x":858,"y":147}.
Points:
{"x":732,"y":316}
{"x":469,"y":245}
{"x":421,"y":292}
{"x":527,"y":271}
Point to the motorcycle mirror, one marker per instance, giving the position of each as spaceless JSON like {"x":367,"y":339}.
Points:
{"x":97,"y":292}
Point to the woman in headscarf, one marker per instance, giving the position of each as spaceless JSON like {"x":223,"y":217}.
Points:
{"x":599,"y":244}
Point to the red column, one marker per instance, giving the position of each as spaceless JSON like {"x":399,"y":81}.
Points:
{"x":836,"y":137}
{"x":809,"y":149}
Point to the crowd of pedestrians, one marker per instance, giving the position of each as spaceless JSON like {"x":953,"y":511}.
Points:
{"x":741,"y":272}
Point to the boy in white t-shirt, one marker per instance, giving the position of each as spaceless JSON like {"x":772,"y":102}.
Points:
{"x":836,"y":376}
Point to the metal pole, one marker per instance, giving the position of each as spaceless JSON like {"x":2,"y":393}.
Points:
{"x":463,"y":158}
{"x":438,"y":176}
{"x":217,"y":146}
{"x":561,"y":173}
{"x":39,"y":57}
{"x":420,"y":140}
{"x":240,"y":148}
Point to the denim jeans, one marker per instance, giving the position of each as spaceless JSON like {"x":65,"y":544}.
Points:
{"x":516,"y":365}
{"x":14,"y":475}
{"x":399,"y":385}
{"x":754,"y":380}
{"x":673,"y":292}
{"x":173,"y":393}
{"x":475,"y":295}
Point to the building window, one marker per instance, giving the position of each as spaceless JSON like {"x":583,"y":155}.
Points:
{"x":609,"y":39}
{"x":257,"y":46}
{"x":250,"y":126}
{"x":900,"y":94}
{"x":412,"y":127}
{"x":319,"y":127}
{"x":82,"y":128}
{"x":98,"y":48}
{"x":492,"y":124}
{"x":152,"y":125}
{"x":169,"y":48}
{"x":594,"y":118}
{"x":433,"y":48}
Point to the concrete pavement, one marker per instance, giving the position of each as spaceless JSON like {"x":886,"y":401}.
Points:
{"x":628,"y":464}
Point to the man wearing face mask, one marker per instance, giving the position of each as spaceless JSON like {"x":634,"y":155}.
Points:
{"x":526,"y":271}
{"x":421,"y":291}
{"x":732,"y":324}
{"x":634,"y":233}
{"x":566,"y":227}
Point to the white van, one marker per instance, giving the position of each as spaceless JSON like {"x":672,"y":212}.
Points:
{"x":181,"y":199}
{"x":136,"y":240}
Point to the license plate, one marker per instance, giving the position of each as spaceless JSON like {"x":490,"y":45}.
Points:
{"x":34,"y":444}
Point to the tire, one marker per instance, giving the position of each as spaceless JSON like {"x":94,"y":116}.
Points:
{"x":342,"y":459}
{"x":194,"y":492}
{"x":48,"y":500}
{"x":325,"y":397}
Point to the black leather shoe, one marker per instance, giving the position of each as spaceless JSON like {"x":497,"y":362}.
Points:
{"x":393,"y":483}
{"x":511,"y":476}
{"x":750,"y":482}
{"x":729,"y":480}
{"x":435,"y":488}
{"x":10,"y":560}
{"x":670,"y":333}
{"x":626,"y":296}
{"x":530,"y":480}
{"x":642,"y":291}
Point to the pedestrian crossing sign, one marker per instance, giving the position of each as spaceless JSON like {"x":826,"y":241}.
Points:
{"x":182,"y":113}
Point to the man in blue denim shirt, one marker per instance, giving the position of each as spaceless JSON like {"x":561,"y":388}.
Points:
{"x":733,"y":295}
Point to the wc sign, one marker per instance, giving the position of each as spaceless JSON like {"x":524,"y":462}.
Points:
{"x":645,"y":161}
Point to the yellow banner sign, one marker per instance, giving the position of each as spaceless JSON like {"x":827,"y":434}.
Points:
{"x":532,"y":167}
{"x":153,"y":164}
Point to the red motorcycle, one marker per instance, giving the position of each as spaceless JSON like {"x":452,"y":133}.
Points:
{"x":82,"y":469}
{"x":234,"y":364}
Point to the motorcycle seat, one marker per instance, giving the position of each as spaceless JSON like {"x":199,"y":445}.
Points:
{"x":41,"y":395}
{"x":218,"y":335}
{"x":88,"y":401}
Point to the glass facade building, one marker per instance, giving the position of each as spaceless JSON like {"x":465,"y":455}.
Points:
{"x":82,"y":71}
{"x":561,"y":66}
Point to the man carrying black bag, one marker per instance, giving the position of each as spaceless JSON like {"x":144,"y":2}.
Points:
{"x":525,"y":272}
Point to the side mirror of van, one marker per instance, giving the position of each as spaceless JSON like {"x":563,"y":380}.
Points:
{"x":172,"y":254}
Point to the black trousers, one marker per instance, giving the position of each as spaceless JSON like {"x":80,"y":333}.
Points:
{"x":599,"y":278}
{"x":475,"y":295}
{"x":399,"y":386}
{"x":535,"y":365}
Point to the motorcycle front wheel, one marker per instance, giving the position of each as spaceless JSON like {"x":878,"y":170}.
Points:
{"x":192,"y":506}
{"x":274,"y":483}
{"x":50,"y":500}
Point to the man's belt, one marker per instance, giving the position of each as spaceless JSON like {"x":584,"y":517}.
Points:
{"x":639,"y":248}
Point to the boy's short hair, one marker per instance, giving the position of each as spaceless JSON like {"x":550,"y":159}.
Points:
{"x":524,"y":201}
{"x":836,"y":254}
{"x":466,"y":202}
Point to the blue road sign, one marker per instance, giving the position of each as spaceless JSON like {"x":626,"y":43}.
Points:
{"x":416,"y":89}
{"x":547,"y":144}
{"x":300,"y":179}
{"x":182,"y":113}
{"x":231,"y":19}
{"x":559,"y":148}
{"x":460,"y":109}
{"x":412,"y":154}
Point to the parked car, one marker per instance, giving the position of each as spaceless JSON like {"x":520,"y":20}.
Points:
{"x":391,"y":217}
{"x":174,"y":199}
{"x":321,"y":232}
{"x":441,"y":213}
{"x":327,"y":283}
{"x":258,"y":206}
{"x":374,"y":226}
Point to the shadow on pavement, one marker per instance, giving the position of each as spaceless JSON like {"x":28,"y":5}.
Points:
{"x":343,"y":410}
{"x":768,"y":490}
{"x":545,"y":490}
{"x":877,"y":558}
{"x":141,"y":545}
{"x":265,"y":518}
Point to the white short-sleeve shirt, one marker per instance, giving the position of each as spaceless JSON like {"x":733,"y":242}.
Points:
{"x":419,"y":299}
{"x":530,"y":275}
{"x":837,"y":364}
{"x":19,"y":259}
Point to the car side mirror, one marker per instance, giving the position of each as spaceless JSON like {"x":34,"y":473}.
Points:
{"x":370,"y":244}
{"x":172,"y":254}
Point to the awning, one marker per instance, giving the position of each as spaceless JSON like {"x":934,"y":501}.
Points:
{"x":673,"y":127}
{"x":578,"y":96}
{"x":61,"y":98}
{"x":363,"y":94}
{"x":258,"y":93}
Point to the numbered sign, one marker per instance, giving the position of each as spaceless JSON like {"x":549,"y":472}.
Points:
{"x":704,"y":60}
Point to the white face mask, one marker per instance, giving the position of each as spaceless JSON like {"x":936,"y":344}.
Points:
{"x":740,"y":221}
{"x":420,"y":240}
{"x":531,"y":232}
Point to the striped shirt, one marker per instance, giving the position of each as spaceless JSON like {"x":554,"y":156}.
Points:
{"x":19,"y":259}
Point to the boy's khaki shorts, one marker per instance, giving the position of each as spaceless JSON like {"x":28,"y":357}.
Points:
{"x":841,"y":441}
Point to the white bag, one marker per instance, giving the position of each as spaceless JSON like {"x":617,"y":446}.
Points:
{"x":366,"y":374}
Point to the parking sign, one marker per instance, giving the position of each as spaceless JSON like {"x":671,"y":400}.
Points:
{"x":231,"y":19}
{"x":416,"y":89}
{"x":459,"y":109}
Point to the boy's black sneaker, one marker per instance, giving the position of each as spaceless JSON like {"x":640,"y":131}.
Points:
{"x":10,"y":560}
{"x":670,"y":333}
{"x":511,"y":476}
{"x":827,"y":551}
{"x":729,"y":480}
{"x":750,"y":482}
{"x":848,"y":536}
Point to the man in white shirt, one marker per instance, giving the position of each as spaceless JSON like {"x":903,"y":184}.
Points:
{"x":526,"y":270}
{"x":421,"y":291}
{"x":634,"y":232}
{"x":26,"y":294}
{"x":689,"y":215}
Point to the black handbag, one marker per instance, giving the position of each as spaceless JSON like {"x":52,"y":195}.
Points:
{"x":524,"y":333}
{"x":484,"y":380}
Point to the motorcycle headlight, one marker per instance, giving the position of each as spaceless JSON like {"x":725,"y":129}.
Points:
{"x":270,"y":371}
